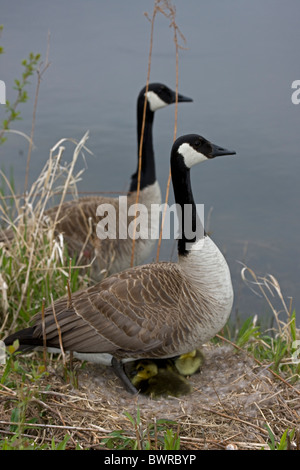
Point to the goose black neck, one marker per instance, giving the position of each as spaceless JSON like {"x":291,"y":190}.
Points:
{"x":148,"y":175}
{"x":190,"y":226}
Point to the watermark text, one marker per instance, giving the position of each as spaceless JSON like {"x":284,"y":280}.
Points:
{"x":2,"y":92}
{"x":139,"y":221}
{"x":2,"y":353}
{"x":296,"y":94}
{"x":296,"y":353}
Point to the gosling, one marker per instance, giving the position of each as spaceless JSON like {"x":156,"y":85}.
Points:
{"x":154,"y":381}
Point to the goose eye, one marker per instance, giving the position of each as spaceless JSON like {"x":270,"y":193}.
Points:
{"x":140,"y":369}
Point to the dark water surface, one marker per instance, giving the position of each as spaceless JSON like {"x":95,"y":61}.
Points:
{"x":240,"y":62}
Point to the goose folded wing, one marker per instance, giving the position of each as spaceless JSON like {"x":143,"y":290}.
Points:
{"x":130,"y":312}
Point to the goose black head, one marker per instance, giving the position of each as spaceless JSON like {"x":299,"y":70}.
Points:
{"x":159,"y":96}
{"x":190,"y":149}
{"x":187,"y":151}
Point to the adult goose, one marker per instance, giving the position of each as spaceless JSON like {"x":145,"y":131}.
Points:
{"x":152,"y":311}
{"x":78,"y":219}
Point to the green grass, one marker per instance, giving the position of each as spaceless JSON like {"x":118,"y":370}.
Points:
{"x":285,"y":440}
{"x":273,"y":347}
{"x":35,"y":265}
{"x":154,"y":436}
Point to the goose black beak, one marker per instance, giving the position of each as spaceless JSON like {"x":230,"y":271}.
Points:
{"x":181,"y":98}
{"x":219,"y":151}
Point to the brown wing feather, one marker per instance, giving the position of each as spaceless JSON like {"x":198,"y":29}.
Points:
{"x":125,"y":314}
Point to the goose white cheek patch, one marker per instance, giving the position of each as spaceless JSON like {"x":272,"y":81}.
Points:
{"x":154,"y":101}
{"x":190,"y":155}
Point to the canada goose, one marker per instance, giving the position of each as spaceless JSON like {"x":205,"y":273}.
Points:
{"x":78,"y":218}
{"x":151,"y":379}
{"x":157,"y":310}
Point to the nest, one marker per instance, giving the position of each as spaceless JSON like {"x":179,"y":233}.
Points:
{"x":235,"y":403}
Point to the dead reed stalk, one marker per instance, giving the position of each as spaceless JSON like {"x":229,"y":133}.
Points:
{"x":40,"y":73}
{"x":167,"y":9}
{"x":34,"y":253}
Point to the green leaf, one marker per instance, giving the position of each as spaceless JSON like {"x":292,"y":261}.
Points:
{"x":61,"y":445}
{"x":15,"y":418}
{"x":171,"y":440}
{"x":293,"y":326}
{"x":246,"y":332}
{"x":272,"y":438}
{"x":131,"y":419}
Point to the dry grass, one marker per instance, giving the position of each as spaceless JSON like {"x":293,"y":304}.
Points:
{"x":232,"y":403}
{"x":35,"y":260}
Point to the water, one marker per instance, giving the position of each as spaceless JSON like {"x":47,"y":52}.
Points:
{"x":241,"y":60}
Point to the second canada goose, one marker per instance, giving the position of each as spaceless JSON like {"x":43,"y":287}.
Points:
{"x":158,"y":310}
{"x":79,"y":218}
{"x":151,"y":379}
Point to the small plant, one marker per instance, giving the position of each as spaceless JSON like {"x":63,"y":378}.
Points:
{"x":276,"y":346}
{"x":14,"y":372}
{"x":30,"y":66}
{"x":249,"y":331}
{"x":171,"y":440}
{"x":21,"y":379}
{"x":285,"y":440}
{"x":155,"y":436}
{"x":61,"y":445}
{"x":19,"y":442}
